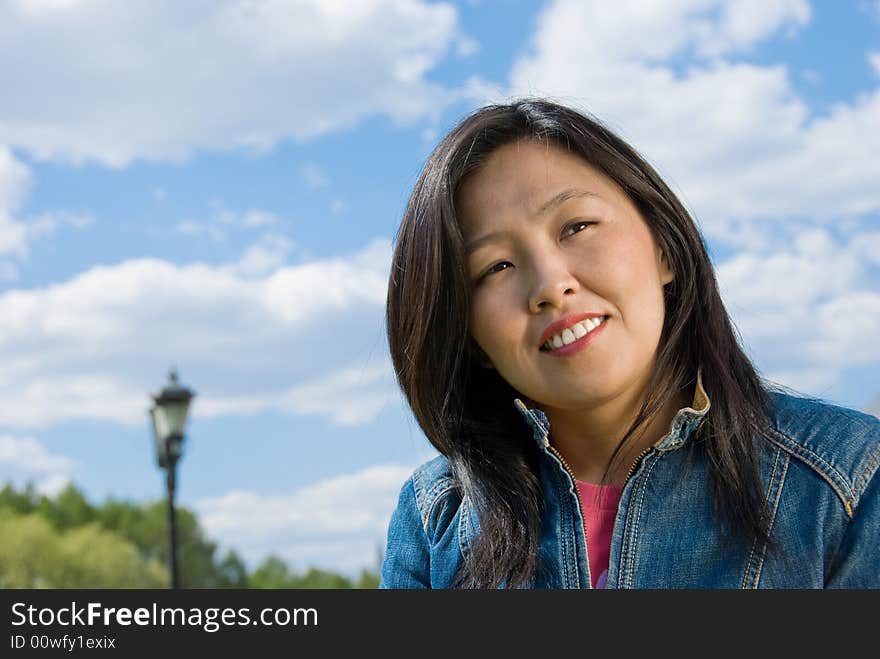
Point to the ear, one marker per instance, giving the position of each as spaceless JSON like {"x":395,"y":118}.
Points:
{"x":664,"y":269}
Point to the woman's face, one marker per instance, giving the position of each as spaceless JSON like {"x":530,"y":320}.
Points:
{"x":552,"y":242}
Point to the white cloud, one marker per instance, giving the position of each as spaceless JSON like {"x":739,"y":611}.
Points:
{"x":256,"y":219}
{"x":338,"y":206}
{"x":868,"y":247}
{"x":809,"y":310}
{"x":850,"y":327}
{"x":13,"y":236}
{"x":811,"y":76}
{"x":769,"y":277}
{"x":16,"y":181}
{"x":46,"y":6}
{"x":815,"y":380}
{"x":315,"y":178}
{"x":352,"y":396}
{"x":48,"y":399}
{"x":735,"y":137}
{"x":24,"y":459}
{"x":248,"y":336}
{"x":29,"y":455}
{"x":263,"y":257}
{"x":874,"y":59}
{"x":45,"y":224}
{"x":466,"y":46}
{"x":8,"y":271}
{"x":223,"y":219}
{"x":17,"y":233}
{"x":51,"y":486}
{"x":198,"y":229}
{"x":115,"y":81}
{"x":874,"y":407}
{"x":321,"y":524}
{"x":647,"y":32}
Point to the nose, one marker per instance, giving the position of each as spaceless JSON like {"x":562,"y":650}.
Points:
{"x":552,"y":283}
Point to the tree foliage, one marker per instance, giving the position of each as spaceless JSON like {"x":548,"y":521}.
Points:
{"x":33,"y":554}
{"x":66,"y":542}
{"x":274,"y":573}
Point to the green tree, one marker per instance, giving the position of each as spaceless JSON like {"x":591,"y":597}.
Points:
{"x":367,"y":580}
{"x":35,"y":555}
{"x":316,"y":578}
{"x":27,"y":551}
{"x":66,"y":542}
{"x":68,"y":509}
{"x":93,"y":557}
{"x":19,"y":502}
{"x":147,"y":527}
{"x":271,"y":573}
{"x":233,"y":571}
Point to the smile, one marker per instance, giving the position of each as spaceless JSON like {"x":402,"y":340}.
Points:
{"x":575,"y":336}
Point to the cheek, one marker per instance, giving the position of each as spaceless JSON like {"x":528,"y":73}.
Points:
{"x":480,"y":327}
{"x":635,"y":261}
{"x":627,"y":274}
{"x":491,"y":322}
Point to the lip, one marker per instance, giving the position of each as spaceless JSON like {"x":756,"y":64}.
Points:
{"x":576,"y":345}
{"x":567,"y":321}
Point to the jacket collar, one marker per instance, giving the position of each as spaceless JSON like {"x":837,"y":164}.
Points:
{"x":683,"y":425}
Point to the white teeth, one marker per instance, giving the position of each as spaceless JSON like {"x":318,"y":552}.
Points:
{"x":573,"y":333}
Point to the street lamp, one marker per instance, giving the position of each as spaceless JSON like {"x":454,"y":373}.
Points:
{"x":169,"y":420}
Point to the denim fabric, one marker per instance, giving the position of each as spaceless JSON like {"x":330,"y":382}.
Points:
{"x":819,"y":476}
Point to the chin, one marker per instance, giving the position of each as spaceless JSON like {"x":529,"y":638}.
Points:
{"x":586,"y":397}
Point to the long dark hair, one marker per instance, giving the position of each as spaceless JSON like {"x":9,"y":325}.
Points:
{"x":467,"y":411}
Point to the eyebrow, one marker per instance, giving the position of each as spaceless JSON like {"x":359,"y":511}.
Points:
{"x":546,"y":207}
{"x":562,"y":197}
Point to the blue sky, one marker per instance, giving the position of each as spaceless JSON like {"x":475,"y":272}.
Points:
{"x":216,"y":185}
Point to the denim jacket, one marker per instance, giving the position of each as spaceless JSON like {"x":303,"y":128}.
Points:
{"x":818,"y":470}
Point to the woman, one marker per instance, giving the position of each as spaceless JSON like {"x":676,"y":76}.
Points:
{"x":555,"y":324}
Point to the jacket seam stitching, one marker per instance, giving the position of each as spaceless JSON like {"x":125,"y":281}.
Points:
{"x":868,"y":473}
{"x":440,"y":484}
{"x":434,"y":501}
{"x":836,"y":564}
{"x":563,"y":492}
{"x":826,"y":470}
{"x":417,"y":490}
{"x":633,"y":532}
{"x":777,"y":496}
{"x":773,"y":517}
{"x":623,"y":573}
{"x":416,"y":486}
{"x":748,"y":569}
{"x":463,"y":522}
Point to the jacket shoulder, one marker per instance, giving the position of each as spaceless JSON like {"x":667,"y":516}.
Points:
{"x":841,"y":444}
{"x":432,"y":482}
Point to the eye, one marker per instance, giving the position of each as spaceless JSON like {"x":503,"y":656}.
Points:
{"x":575,"y":227}
{"x":498,"y":267}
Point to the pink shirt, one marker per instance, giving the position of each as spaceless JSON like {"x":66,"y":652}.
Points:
{"x":599,"y":508}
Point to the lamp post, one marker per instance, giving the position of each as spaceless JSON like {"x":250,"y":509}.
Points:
{"x":168,"y":415}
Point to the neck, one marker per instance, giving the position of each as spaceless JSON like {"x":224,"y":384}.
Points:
{"x":588,"y":437}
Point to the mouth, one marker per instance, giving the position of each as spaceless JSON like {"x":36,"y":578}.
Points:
{"x":575,"y":336}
